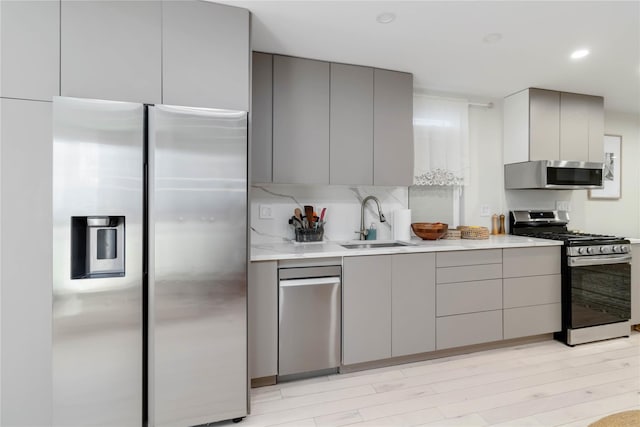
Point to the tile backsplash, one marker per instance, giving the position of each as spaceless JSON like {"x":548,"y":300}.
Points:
{"x":343,"y":209}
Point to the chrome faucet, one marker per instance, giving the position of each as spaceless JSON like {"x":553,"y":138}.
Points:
{"x":363,"y":231}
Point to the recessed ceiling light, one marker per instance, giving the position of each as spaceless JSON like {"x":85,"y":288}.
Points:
{"x":492,"y":38}
{"x":386,"y":17}
{"x":580,"y":53}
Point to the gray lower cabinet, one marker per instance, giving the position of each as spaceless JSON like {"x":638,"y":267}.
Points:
{"x":534,"y":261}
{"x":468,"y":297}
{"x":366,"y":309}
{"x":532,"y":291}
{"x":351,"y":125}
{"x":300,"y":120}
{"x":205,"y":55}
{"x":468,"y":329}
{"x":413,"y":305}
{"x":30,"y":46}
{"x":635,"y":284}
{"x":112,"y":50}
{"x":261,"y":118}
{"x":26,"y":259}
{"x":262,"y":300}
{"x":392,"y":128}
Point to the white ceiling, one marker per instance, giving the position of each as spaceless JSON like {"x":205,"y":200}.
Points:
{"x":441,"y":43}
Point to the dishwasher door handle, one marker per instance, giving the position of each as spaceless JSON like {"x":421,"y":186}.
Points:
{"x":310,"y":282}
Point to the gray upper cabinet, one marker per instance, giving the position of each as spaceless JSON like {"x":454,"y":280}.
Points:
{"x":261,"y":118}
{"x":596,"y":128}
{"x":351,"y":125}
{"x":544,"y":117}
{"x":205,"y":55}
{"x":300,"y":121}
{"x":111,"y":50}
{"x":331,"y":123}
{"x":393,"y":128}
{"x":542,"y":124}
{"x":30,"y":46}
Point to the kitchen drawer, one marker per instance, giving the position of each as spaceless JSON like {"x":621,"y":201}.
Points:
{"x":468,"y":329}
{"x":468,"y":297}
{"x":522,"y":262}
{"x":532,"y":290}
{"x":457,"y":258}
{"x":527,"y":321}
{"x":468,"y":273}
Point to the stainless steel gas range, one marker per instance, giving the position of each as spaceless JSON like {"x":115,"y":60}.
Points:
{"x":596,"y":277}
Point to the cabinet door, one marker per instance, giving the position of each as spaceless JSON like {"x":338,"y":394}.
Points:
{"x":413,"y":317}
{"x":262,"y":300}
{"x":351,"y":125}
{"x":300,"y":121}
{"x":261,"y":118}
{"x":521,"y":262}
{"x":30,"y":46}
{"x":468,"y":329}
{"x":635,"y":284}
{"x":366,"y":309}
{"x":533,"y":320}
{"x":111,"y":50}
{"x":26,"y":224}
{"x":596,"y":128}
{"x":393,"y":128}
{"x":205,"y":55}
{"x":544,"y":124}
{"x":574,"y":127}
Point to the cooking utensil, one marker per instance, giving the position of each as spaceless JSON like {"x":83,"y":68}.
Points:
{"x":324,"y":210}
{"x":298,"y":214}
{"x":308,"y":212}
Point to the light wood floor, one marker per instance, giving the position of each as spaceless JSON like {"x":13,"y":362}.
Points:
{"x":541,"y":384}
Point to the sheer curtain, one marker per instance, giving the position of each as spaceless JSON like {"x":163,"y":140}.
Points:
{"x":441,"y":145}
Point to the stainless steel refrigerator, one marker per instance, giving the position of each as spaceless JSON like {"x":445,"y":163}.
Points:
{"x":150,"y":258}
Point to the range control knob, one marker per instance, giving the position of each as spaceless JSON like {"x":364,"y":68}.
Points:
{"x":589,"y":250}
{"x":615,"y":249}
{"x":624,"y":249}
{"x":603,"y":249}
{"x":580,"y":251}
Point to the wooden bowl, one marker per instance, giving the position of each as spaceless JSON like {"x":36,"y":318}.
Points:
{"x":429,"y":230}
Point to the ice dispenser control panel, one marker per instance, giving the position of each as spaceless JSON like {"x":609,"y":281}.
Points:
{"x":97,"y":246}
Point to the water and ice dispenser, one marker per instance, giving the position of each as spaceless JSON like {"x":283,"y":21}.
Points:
{"x":97,"y":246}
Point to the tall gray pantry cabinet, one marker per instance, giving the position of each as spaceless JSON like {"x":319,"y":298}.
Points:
{"x":43,"y":45}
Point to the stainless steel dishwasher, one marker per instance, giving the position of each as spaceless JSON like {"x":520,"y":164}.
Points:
{"x":309,"y":319}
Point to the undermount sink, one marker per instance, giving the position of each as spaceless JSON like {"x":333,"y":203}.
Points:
{"x":372,"y":245}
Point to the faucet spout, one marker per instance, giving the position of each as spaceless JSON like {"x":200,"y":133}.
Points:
{"x":363,"y":230}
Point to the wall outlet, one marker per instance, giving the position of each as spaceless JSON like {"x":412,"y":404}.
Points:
{"x":563,"y":205}
{"x":265,"y":212}
{"x":485,"y":210}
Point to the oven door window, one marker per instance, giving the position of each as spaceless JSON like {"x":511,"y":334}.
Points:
{"x":600,"y":294}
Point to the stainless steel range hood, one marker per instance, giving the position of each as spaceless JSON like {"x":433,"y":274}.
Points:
{"x":553,"y":175}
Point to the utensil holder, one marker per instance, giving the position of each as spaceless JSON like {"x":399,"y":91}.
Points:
{"x":309,"y":234}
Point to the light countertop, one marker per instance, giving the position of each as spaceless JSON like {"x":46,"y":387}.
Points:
{"x":286,"y":250}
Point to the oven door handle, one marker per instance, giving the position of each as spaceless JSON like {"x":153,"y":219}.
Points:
{"x":598,"y":260}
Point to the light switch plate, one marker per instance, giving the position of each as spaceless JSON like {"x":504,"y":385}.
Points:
{"x":265,"y":212}
{"x":485,"y":210}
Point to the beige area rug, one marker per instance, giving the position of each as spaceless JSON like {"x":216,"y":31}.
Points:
{"x":621,"y":419}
